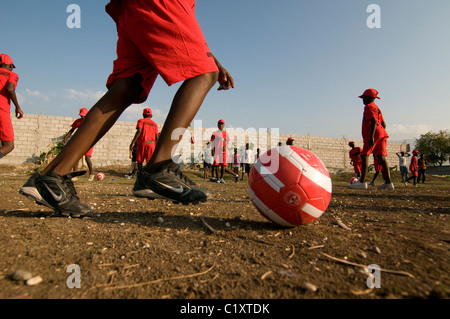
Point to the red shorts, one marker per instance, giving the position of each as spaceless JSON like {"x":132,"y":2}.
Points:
{"x":6,"y":128}
{"x":378,"y":148}
{"x":160,"y":37}
{"x":89,"y":153}
{"x":144,"y":152}
{"x":221,"y":159}
{"x":357,"y":168}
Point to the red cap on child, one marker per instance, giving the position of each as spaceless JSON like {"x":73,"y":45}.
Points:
{"x":83,"y":111}
{"x":147,"y":111}
{"x":6,"y":59}
{"x":370,"y":93}
{"x":221,"y":121}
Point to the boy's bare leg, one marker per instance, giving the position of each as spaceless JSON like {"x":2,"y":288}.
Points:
{"x":97,"y":122}
{"x":6,"y":148}
{"x":185,"y":106}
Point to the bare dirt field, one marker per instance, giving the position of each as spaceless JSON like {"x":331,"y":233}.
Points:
{"x":224,"y":249}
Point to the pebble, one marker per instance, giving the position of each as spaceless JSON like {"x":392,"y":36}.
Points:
{"x":34,"y":281}
{"x":310,"y":287}
{"x":227,"y":224}
{"x":377,"y":250}
{"x":21,"y":275}
{"x":160,"y":220}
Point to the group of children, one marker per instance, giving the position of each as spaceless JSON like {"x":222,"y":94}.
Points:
{"x":157,"y":38}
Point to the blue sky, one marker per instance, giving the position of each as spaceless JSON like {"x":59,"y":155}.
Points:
{"x":298,"y":65}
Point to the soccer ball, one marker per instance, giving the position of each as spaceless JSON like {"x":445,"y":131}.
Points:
{"x":290,"y":186}
{"x":192,"y":139}
{"x":353,"y":180}
{"x":100,"y":176}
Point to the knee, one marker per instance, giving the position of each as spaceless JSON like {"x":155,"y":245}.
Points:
{"x":127,"y":90}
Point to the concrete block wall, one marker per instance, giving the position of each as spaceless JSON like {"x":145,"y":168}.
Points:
{"x":35,"y":134}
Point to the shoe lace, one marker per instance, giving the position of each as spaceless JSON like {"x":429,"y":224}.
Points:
{"x":175,"y":168}
{"x":70,"y":187}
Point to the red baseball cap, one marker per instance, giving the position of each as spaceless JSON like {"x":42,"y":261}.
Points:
{"x":221,"y":121}
{"x":290,"y":139}
{"x":6,"y":59}
{"x":147,"y":111}
{"x":351,"y":143}
{"x":83,"y":111}
{"x":370,"y":93}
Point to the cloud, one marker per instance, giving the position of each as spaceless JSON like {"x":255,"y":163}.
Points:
{"x":401,"y":131}
{"x":38,"y":94}
{"x":83,"y":96}
{"x":134,"y":112}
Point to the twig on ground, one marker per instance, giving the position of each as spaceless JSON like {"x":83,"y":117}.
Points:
{"x":402,"y":273}
{"x":293,"y":252}
{"x":207,"y":226}
{"x":160,"y":280}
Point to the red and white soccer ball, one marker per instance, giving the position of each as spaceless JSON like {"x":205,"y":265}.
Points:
{"x":353,"y":180}
{"x":290,"y":186}
{"x":192,"y":140}
{"x":100,"y":176}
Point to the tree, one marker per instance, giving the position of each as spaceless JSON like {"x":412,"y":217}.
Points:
{"x":435,"y":146}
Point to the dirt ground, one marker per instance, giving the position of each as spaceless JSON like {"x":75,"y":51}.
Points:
{"x":224,"y":249}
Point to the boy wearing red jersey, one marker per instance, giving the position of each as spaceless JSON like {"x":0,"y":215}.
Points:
{"x":8,"y":84}
{"x":146,"y":136}
{"x":219,"y":141}
{"x":355,"y":158}
{"x":154,"y":38}
{"x":375,"y":140}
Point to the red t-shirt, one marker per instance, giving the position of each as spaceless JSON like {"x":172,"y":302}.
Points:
{"x":371,"y":111}
{"x":219,"y":141}
{"x":77,"y":123}
{"x":149,"y":130}
{"x":355,"y":155}
{"x":6,"y":76}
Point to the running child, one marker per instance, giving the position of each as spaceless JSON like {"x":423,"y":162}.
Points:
{"x":154,"y":38}
{"x":8,"y":84}
{"x":374,"y":139}
{"x":414,"y":167}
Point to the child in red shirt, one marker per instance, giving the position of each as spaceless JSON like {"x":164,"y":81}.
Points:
{"x":374,"y":139}
{"x":8,"y":84}
{"x":355,"y":158}
{"x":88,"y":155}
{"x":146,"y":136}
{"x":154,"y":38}
{"x":219,"y":141}
{"x":414,"y":168}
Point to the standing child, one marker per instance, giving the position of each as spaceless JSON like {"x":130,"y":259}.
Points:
{"x":146,"y":137}
{"x":355,"y":158}
{"x":219,"y":141}
{"x":375,"y":140}
{"x":422,"y":165}
{"x":413,"y":167}
{"x":247,"y":161}
{"x":88,"y":155}
{"x":236,"y":162}
{"x":154,"y":38}
{"x":208,"y":162}
{"x":402,"y":157}
{"x":8,"y":84}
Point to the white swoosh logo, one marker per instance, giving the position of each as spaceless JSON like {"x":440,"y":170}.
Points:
{"x":55,"y":197}
{"x":178,"y":190}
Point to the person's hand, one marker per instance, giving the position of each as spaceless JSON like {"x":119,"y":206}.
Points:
{"x":19,"y":113}
{"x":225,"y":80}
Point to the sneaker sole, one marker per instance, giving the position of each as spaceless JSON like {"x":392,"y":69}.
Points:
{"x":150,"y":195}
{"x":34,"y":195}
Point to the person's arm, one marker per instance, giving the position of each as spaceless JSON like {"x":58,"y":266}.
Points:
{"x":69,"y":134}
{"x":136,"y":136}
{"x":225,"y":80}
{"x":373,"y":126}
{"x":12,"y":93}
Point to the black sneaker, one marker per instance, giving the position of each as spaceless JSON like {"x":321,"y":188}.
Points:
{"x":60,"y":194}
{"x":29,"y":190}
{"x":169,"y":183}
